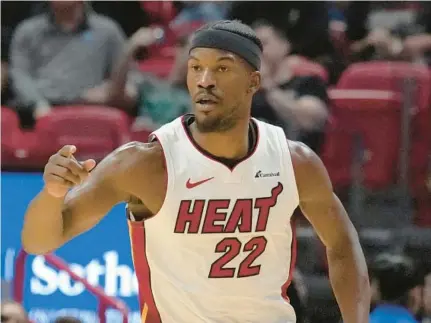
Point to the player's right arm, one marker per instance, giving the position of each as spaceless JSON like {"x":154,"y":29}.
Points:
{"x":73,"y":200}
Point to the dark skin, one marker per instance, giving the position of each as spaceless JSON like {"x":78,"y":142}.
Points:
{"x":57,"y":215}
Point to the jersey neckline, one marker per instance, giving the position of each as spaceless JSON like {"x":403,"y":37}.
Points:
{"x":206,"y":154}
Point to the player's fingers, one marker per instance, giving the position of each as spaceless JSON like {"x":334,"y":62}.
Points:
{"x":89,"y":164}
{"x":65,"y":174}
{"x":73,"y":165}
{"x":67,"y":151}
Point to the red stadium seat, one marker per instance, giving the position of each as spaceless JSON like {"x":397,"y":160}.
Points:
{"x":95,"y":131}
{"x":420,"y":148}
{"x":389,"y":76}
{"x":188,"y":28}
{"x":159,"y":11}
{"x":337,"y":153}
{"x":421,"y":169}
{"x":17,"y":147}
{"x":10,"y":132}
{"x":301,"y":66}
{"x":140,"y":135}
{"x":165,"y":48}
{"x":420,"y":152}
{"x":158,"y":66}
{"x":374,"y":117}
{"x":161,"y":56}
{"x":9,"y":126}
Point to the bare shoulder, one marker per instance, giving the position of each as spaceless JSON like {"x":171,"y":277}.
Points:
{"x":303,"y":157}
{"x":310,"y":173}
{"x":142,"y":172}
{"x":136,"y":156}
{"x":129,"y":166}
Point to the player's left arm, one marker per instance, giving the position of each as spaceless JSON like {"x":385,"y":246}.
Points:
{"x":347,"y":267}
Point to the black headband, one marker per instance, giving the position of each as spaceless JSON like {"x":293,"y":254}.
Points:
{"x":228,"y":41}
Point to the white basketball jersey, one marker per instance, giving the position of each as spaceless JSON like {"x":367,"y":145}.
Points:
{"x":220,"y":248}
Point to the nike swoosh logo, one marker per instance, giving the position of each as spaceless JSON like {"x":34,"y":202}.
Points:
{"x":190,"y":185}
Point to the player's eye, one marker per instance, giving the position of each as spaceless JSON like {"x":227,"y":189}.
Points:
{"x":195,"y":68}
{"x":223,"y":68}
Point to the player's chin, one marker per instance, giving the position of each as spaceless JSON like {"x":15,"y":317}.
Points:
{"x":207,"y":108}
{"x":206,"y":117}
{"x":209,"y":121}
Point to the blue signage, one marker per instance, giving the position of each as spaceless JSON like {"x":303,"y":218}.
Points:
{"x":102,"y":256}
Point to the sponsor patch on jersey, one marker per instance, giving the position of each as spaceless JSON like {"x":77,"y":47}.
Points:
{"x":260,"y":174}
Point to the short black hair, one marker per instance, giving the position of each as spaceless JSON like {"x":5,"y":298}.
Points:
{"x":236,"y":27}
{"x":396,"y":275}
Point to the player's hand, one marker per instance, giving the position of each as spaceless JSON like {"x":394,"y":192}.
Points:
{"x":42,"y":109}
{"x":144,"y":37}
{"x":63,"y":171}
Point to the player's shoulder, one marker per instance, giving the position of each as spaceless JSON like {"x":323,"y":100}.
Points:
{"x":139,"y":149}
{"x":304,"y":160}
{"x":310,"y":173}
{"x":300,"y":152}
{"x":138,"y":156}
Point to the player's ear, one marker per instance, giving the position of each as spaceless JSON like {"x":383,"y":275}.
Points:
{"x":255,"y":79}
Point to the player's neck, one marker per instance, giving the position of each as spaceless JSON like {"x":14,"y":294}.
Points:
{"x":231,"y":144}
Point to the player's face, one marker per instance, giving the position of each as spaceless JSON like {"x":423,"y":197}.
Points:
{"x":221,"y":86}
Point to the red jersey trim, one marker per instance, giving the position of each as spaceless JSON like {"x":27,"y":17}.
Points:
{"x":150,"y":313}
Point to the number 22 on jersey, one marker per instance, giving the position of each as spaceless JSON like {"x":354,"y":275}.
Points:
{"x":231,"y":248}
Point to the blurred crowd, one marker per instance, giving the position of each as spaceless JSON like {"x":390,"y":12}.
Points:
{"x":75,"y":52}
{"x":114,"y":53}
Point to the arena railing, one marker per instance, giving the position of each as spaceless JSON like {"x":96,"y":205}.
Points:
{"x":105,"y":301}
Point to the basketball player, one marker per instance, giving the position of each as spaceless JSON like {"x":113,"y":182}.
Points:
{"x":217,"y":190}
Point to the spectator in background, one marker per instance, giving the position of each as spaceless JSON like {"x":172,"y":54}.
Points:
{"x":400,"y":286}
{"x":376,"y":33}
{"x":417,"y":47}
{"x":298,"y":104}
{"x":307,"y":26}
{"x":203,"y":11}
{"x":63,"y":56}
{"x":5,"y":90}
{"x":67,"y":319}
{"x":12,"y":13}
{"x":154,"y":101}
{"x":13,"y":312}
{"x":367,"y":42}
{"x":128,"y":14}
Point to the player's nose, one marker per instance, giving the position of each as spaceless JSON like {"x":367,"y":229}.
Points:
{"x":207,"y":80}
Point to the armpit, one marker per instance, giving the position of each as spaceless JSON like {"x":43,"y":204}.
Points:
{"x":136,"y":210}
{"x":146,"y":179}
